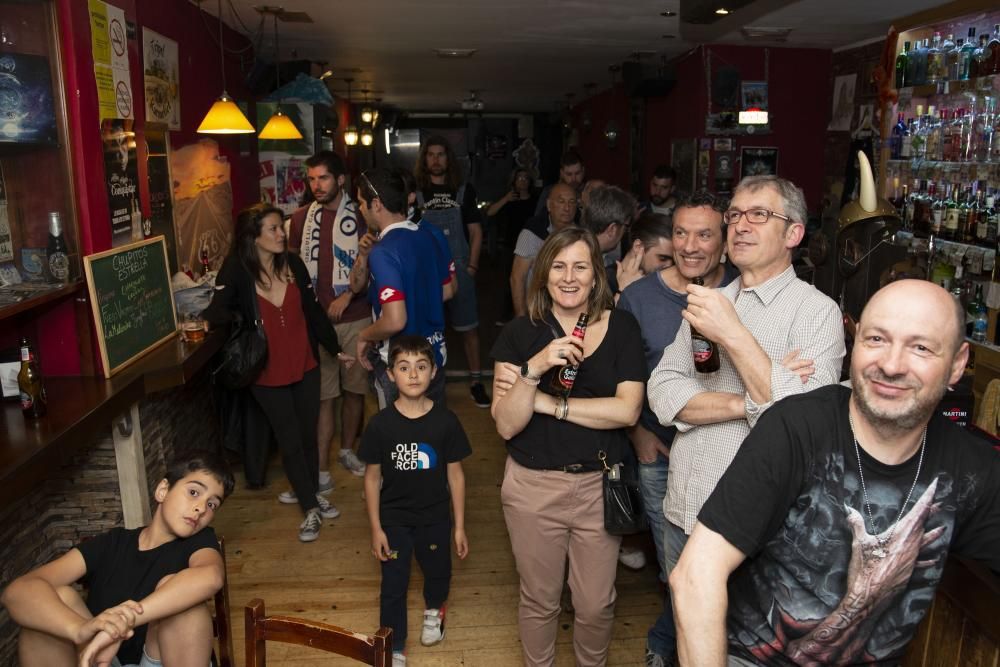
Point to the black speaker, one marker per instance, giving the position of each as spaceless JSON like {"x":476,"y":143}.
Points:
{"x":647,"y":81}
{"x":726,"y":88}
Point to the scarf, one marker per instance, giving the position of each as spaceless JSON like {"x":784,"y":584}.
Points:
{"x":327,"y":277}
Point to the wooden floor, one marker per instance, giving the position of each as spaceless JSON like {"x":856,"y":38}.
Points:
{"x":336,"y":580}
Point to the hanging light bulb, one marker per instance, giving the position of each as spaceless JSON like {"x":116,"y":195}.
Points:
{"x":279,"y":126}
{"x":351,"y":135}
{"x":224,"y":117}
{"x":367,"y":138}
{"x":367,"y":114}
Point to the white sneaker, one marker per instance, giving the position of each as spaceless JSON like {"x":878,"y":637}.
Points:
{"x":398,"y":659}
{"x":309,"y":529}
{"x":326,"y":508}
{"x":433,"y":631}
{"x":325,"y":487}
{"x":350,"y":460}
{"x":288,"y":497}
{"x":634,"y":559}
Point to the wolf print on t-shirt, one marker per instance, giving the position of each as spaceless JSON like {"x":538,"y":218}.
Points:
{"x":414,"y":456}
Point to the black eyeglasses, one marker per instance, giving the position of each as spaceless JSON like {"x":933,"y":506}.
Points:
{"x":755,"y":216}
{"x":370,"y":186}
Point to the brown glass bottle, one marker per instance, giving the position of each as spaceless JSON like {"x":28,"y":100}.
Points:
{"x":705,"y":351}
{"x":29,"y":383}
{"x":564,"y":377}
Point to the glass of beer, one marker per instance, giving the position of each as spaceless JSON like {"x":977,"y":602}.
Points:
{"x":193,"y":330}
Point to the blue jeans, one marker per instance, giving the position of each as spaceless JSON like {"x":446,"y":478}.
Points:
{"x":662,"y":637}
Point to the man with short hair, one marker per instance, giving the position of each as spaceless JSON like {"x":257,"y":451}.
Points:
{"x":663,"y":195}
{"x":571,"y":173}
{"x":608,"y":215}
{"x":561,"y":212}
{"x":325,"y":235}
{"x":449,"y":204}
{"x":844,"y":504}
{"x":657,"y":301}
{"x":776,"y":336}
{"x":406,"y":286}
{"x":650,"y":249}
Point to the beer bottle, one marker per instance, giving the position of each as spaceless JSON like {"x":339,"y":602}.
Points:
{"x":564,"y":377}
{"x":29,"y":383}
{"x":705,"y":352}
{"x":56,"y":251}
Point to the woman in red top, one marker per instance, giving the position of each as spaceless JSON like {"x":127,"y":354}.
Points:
{"x":260,"y":269}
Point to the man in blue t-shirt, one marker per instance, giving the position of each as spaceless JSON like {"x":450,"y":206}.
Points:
{"x":406,"y":290}
{"x":656,"y":301}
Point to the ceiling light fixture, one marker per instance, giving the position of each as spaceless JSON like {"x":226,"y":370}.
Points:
{"x":279,"y":126}
{"x":721,"y":11}
{"x":668,"y":13}
{"x":455,"y":53}
{"x":224,"y":117}
{"x":350,"y":132}
{"x":668,"y":36}
{"x":367,"y":138}
{"x":367,"y":113}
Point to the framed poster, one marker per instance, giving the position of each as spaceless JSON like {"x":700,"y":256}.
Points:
{"x":753,"y":95}
{"x":161,"y":79}
{"x":725,"y":171}
{"x":758,"y":161}
{"x":122,"y":181}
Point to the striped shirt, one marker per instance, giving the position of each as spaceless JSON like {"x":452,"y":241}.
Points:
{"x":783,"y":314}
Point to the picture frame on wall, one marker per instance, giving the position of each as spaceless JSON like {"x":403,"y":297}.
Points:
{"x":753,"y":95}
{"x":758,"y":161}
{"x":683,"y":160}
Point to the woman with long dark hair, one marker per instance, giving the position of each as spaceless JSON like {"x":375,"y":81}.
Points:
{"x":559,"y":440}
{"x":260,"y":275}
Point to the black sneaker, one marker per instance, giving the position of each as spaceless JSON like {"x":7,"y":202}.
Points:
{"x":479,"y":395}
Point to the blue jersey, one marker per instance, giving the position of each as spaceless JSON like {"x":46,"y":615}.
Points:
{"x":405,"y":265}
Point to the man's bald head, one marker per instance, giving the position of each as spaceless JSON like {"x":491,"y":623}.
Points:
{"x":942,"y":311}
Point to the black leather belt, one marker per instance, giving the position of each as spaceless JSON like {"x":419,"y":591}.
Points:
{"x":575,"y":468}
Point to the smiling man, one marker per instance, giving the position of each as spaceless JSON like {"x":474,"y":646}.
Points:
{"x":776,"y":334}
{"x":858,"y":496}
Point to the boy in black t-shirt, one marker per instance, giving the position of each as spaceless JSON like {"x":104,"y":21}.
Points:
{"x":146,"y":586}
{"x":414,"y":448}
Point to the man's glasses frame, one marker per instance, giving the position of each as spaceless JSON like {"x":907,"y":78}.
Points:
{"x":755,"y":216}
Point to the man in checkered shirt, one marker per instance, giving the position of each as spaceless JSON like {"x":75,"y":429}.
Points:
{"x":776,"y":334}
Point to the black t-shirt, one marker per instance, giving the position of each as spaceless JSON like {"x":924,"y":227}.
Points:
{"x":117,"y":571}
{"x":547,"y":442}
{"x":512,"y":216}
{"x":788,"y":501}
{"x":439,"y":197}
{"x":414,"y":455}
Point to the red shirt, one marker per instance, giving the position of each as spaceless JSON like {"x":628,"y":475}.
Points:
{"x":289,"y":355}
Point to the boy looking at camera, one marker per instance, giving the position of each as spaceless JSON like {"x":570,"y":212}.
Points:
{"x":146,"y":586}
{"x":415,"y":448}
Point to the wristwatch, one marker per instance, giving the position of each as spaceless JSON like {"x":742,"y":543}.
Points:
{"x":526,"y":374}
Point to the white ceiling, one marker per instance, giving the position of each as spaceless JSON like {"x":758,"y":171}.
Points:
{"x":531,"y":53}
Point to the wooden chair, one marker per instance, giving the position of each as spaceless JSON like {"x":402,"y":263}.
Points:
{"x":371,"y":650}
{"x":221,"y":626}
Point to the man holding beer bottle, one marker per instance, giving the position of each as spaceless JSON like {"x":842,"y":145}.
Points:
{"x":776,"y":336}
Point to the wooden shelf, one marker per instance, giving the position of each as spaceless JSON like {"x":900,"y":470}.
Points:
{"x":979,"y":84}
{"x":40,"y":299}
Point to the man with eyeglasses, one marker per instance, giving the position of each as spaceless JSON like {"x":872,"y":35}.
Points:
{"x":777,"y":336}
{"x":608,"y":215}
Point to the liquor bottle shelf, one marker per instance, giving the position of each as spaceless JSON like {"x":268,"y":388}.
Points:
{"x":979,"y":84}
{"x":921,"y":163}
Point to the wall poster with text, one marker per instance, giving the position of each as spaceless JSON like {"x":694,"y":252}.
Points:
{"x":121,"y":179}
{"x":161,"y":76}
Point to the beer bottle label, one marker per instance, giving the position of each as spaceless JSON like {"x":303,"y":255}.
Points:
{"x":567,"y":376}
{"x":702,"y":350}
{"x":26,"y":401}
{"x":59,"y":266}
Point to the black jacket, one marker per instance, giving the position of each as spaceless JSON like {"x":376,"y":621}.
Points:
{"x":235,"y":292}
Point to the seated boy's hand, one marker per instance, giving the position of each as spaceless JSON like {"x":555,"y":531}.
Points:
{"x":380,"y":546}
{"x":101,"y":650}
{"x":461,"y":544}
{"x":117,"y":622}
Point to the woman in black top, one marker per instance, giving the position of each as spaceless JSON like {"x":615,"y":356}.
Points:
{"x":259,"y":275}
{"x":551,"y":492}
{"x":507,"y":216}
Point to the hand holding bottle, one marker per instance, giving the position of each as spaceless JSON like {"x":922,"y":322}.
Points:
{"x":711,"y":313}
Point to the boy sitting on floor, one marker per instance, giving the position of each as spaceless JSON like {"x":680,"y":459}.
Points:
{"x":147,"y":586}
{"x":414,"y":448}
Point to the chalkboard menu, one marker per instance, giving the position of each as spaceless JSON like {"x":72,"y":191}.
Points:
{"x":132,"y":301}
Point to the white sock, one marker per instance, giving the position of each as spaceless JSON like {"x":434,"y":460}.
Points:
{"x":344,"y":452}
{"x":324,"y":476}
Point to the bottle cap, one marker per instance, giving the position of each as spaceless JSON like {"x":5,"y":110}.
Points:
{"x":55,"y":223}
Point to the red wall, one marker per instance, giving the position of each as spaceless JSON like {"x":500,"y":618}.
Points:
{"x":799,"y":104}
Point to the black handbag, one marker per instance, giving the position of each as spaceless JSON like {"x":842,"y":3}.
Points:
{"x":244,"y":354}
{"x":624,"y":513}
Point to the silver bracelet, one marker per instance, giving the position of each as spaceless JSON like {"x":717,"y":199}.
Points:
{"x":531,"y":382}
{"x":565,"y":409}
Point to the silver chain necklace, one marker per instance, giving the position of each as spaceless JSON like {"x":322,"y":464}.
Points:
{"x":880,"y":550}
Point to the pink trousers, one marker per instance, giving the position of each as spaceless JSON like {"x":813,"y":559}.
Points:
{"x":550,"y":516}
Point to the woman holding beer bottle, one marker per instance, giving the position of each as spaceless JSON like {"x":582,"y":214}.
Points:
{"x":568,"y":380}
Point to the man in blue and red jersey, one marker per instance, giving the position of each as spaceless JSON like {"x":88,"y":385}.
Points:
{"x":407,"y":292}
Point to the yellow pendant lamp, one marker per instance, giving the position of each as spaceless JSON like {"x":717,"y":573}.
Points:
{"x":224,"y":117}
{"x":279,"y":126}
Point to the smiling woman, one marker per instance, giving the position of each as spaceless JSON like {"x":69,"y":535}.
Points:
{"x":551,"y":493}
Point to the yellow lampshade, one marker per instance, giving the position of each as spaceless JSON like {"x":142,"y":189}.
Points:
{"x":367,"y":138}
{"x":280,"y":126}
{"x":225,"y":118}
{"x":351,"y":136}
